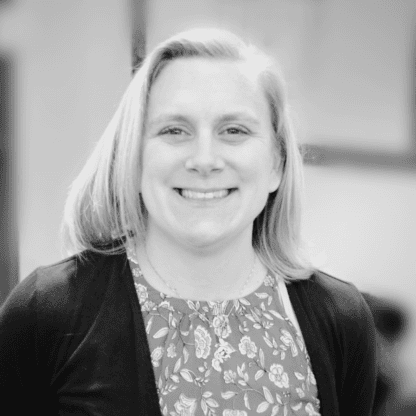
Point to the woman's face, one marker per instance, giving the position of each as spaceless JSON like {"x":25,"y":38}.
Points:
{"x":208,"y":159}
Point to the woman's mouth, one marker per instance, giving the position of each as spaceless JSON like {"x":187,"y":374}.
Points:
{"x":204,"y":195}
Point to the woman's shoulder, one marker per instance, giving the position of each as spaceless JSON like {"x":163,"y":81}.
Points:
{"x":50,"y":313}
{"x":61,"y":285}
{"x":77,"y":269}
{"x":329,"y":294}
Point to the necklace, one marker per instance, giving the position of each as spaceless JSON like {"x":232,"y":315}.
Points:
{"x":177,"y":293}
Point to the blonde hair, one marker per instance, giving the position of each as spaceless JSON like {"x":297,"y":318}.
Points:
{"x":104,"y":211}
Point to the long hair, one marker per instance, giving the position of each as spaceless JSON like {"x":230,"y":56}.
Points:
{"x":104,"y":205}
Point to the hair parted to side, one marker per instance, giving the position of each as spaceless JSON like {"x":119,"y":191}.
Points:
{"x":104,"y":205}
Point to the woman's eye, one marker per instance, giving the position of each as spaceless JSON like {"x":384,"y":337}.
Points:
{"x":235,"y":130}
{"x":172,"y":131}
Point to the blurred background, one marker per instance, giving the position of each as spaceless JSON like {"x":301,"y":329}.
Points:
{"x":350,"y":66}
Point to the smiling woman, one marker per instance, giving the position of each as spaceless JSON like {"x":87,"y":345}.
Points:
{"x":207,"y":171}
{"x":188,"y":292}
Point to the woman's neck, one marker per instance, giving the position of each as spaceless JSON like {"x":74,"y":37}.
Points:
{"x":226,"y":272}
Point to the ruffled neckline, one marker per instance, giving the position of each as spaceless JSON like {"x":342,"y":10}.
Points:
{"x":150,"y":297}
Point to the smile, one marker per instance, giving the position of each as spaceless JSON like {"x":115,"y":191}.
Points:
{"x":204,"y":195}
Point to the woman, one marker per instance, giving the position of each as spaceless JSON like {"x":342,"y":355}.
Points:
{"x":189,"y":293}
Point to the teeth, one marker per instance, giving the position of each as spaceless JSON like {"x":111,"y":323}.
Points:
{"x":204,"y":195}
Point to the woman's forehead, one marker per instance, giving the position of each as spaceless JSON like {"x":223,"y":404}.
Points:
{"x":206,"y":83}
{"x":201,"y":66}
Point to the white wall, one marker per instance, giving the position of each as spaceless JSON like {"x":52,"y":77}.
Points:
{"x":74,"y":62}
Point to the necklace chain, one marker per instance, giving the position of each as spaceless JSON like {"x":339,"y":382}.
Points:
{"x":175,"y":290}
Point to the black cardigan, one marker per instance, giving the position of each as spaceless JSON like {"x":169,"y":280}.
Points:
{"x":72,"y":341}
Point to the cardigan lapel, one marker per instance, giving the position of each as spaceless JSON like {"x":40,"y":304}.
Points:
{"x":301,"y":293}
{"x":147,"y":384}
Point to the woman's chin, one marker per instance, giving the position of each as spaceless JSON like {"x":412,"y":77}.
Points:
{"x":204,"y":240}
{"x":204,"y":237}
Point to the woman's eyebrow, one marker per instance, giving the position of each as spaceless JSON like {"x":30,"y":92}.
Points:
{"x":228,"y":117}
{"x":240,"y":115}
{"x":168,"y":117}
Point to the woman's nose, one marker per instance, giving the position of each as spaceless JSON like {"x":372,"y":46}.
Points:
{"x":205,"y":156}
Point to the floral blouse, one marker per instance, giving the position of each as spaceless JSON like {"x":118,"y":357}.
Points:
{"x":232,"y":358}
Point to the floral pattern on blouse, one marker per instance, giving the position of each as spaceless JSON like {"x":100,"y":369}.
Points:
{"x":240,"y":357}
